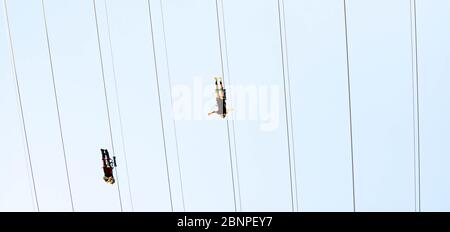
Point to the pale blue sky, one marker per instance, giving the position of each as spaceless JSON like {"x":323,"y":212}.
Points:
{"x":381,"y":74}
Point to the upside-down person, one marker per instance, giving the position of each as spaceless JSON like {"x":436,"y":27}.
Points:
{"x":221,"y":98}
{"x":108,"y":166}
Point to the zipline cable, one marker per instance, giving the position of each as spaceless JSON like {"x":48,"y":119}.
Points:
{"x":289,"y":133}
{"x":232,"y":121}
{"x":349,"y":105}
{"x":106,"y":99}
{"x":416,"y":118}
{"x":228,"y":124}
{"x":290,"y":109}
{"x":57,"y":105}
{"x":160,"y":106}
{"x":118,"y":105}
{"x":13,"y":59}
{"x":171,"y":104}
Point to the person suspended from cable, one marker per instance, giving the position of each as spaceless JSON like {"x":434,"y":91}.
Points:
{"x":108,"y":166}
{"x":221,"y":98}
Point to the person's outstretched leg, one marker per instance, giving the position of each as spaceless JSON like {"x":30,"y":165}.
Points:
{"x":215,"y":82}
{"x":104,"y":157}
{"x":220,"y":82}
{"x":217,"y":86}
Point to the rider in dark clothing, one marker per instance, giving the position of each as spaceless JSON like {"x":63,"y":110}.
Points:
{"x":107,"y":167}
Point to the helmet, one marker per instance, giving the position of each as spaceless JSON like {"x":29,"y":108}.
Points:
{"x":111,"y":180}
